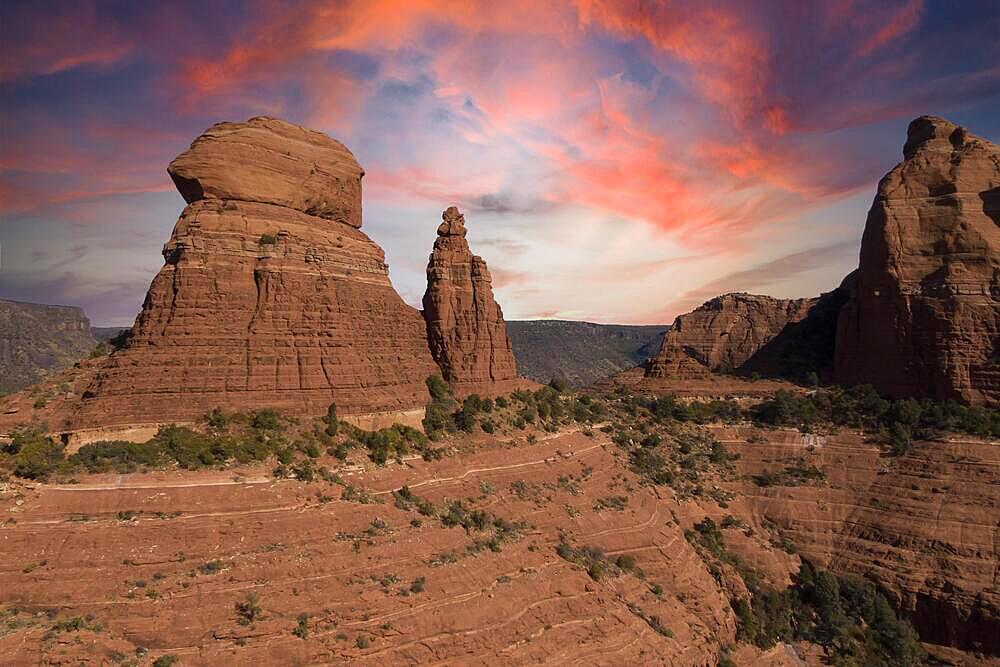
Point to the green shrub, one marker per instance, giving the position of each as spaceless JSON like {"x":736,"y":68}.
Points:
{"x":302,"y":629}
{"x":848,"y":616}
{"x":37,"y":456}
{"x":117,"y":455}
{"x":438,"y":388}
{"x":248,"y":611}
{"x":266,"y":420}
{"x":331,"y":420}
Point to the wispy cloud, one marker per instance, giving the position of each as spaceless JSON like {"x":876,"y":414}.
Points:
{"x":714,"y":126}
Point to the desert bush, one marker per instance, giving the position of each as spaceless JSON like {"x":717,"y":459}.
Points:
{"x":302,"y":629}
{"x":438,"y":388}
{"x":248,"y":611}
{"x":36,"y":456}
{"x":847,"y":615}
{"x":331,"y":420}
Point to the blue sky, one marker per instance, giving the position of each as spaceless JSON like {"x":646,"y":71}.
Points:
{"x":617,"y":161}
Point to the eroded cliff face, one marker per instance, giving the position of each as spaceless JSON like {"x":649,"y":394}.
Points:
{"x":923,"y":525}
{"x":723,"y":333}
{"x":465,"y":326}
{"x":270,"y":295}
{"x":924,"y":317}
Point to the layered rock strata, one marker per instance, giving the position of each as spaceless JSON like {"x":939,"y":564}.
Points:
{"x":924,"y":315}
{"x":270,"y":295}
{"x":465,"y":327}
{"x":723,"y":334}
{"x":922,"y":524}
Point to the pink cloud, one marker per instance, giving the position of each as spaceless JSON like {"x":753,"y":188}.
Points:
{"x":72,"y":37}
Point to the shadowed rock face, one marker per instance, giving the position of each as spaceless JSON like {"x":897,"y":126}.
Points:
{"x":269,"y":295}
{"x":924,"y":316}
{"x":723,"y":334}
{"x":465,"y":326}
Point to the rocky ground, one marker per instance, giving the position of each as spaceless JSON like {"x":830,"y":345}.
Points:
{"x":158,"y":563}
{"x":553,"y":545}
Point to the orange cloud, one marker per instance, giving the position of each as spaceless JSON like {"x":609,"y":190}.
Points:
{"x":899,"y":23}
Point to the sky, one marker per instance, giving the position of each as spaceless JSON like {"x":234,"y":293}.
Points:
{"x":616,"y":161}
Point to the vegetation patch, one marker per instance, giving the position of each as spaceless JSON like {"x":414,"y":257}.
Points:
{"x":848,"y":616}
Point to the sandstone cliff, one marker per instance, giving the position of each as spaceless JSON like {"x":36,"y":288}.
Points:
{"x":270,"y":295}
{"x":924,"y":316}
{"x":465,"y":326}
{"x":922,"y":525}
{"x":36,"y":339}
{"x":723,"y":334}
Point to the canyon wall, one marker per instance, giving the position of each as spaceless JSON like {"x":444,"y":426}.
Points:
{"x":36,"y":340}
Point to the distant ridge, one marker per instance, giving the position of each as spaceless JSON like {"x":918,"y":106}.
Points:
{"x":580,"y":352}
{"x":37,"y":339}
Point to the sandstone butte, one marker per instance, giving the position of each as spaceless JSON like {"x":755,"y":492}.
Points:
{"x":465,"y":326}
{"x":723,"y":334}
{"x":924,"y":315}
{"x":271,"y":296}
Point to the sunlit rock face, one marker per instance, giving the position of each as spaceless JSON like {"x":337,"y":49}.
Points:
{"x":924,"y":315}
{"x":465,"y":326}
{"x":723,"y":334}
{"x":270,"y":295}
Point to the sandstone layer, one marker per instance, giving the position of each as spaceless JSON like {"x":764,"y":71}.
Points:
{"x":269,"y":295}
{"x":36,"y":340}
{"x":465,"y":327}
{"x":724,"y":333}
{"x":924,"y":317}
{"x":922,"y":525}
{"x":160,"y":561}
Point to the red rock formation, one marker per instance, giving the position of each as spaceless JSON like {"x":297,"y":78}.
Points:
{"x":465,"y":325}
{"x":922,"y":524}
{"x":924,"y":317}
{"x":270,"y":295}
{"x":723,"y":333}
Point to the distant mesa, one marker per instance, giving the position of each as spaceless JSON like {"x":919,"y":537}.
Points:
{"x":581,"y":353}
{"x":723,"y":334}
{"x":271,"y":296}
{"x":747,"y":334}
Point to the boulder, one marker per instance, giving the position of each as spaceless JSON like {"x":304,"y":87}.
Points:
{"x":269,"y":161}
{"x":923,"y":318}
